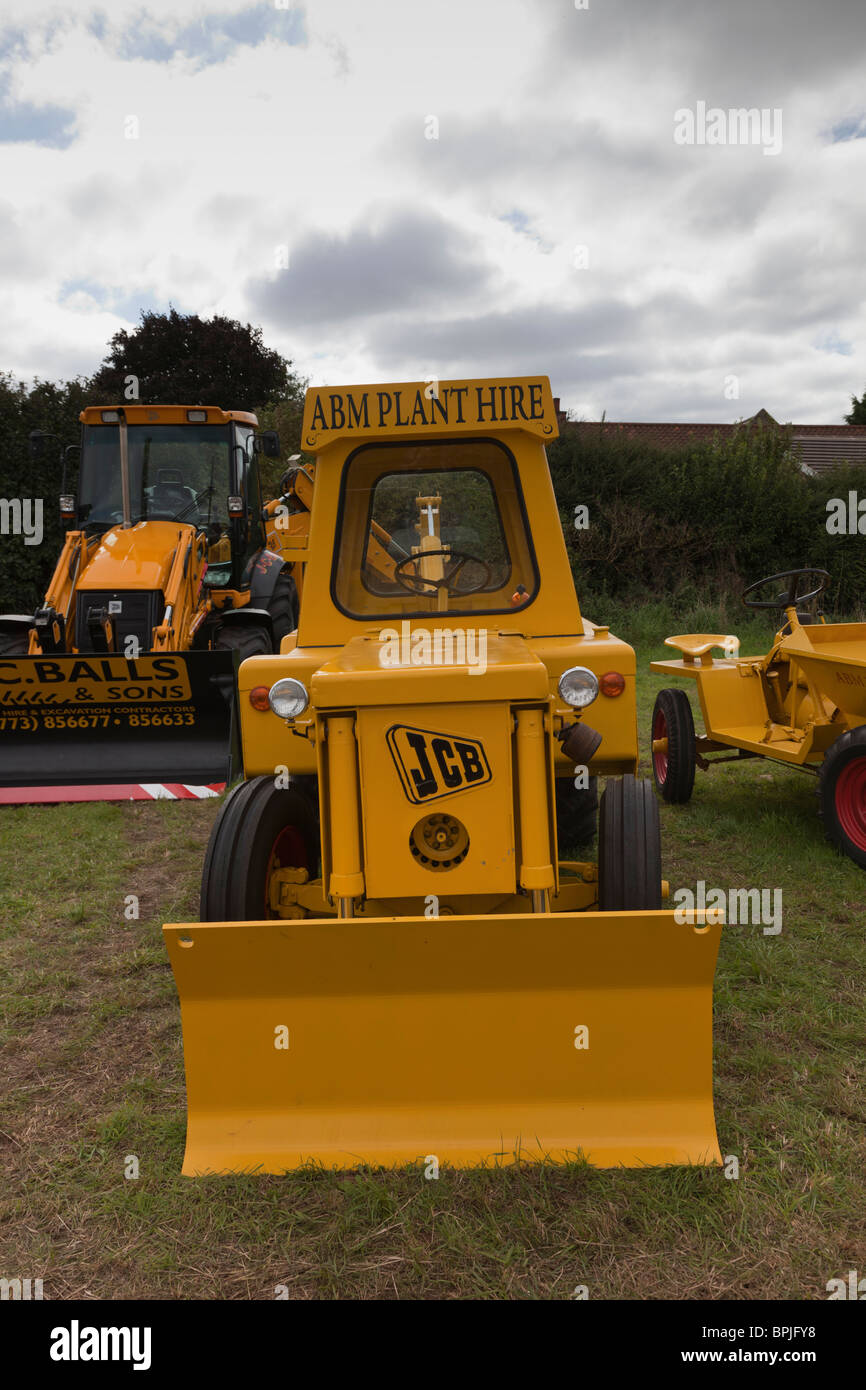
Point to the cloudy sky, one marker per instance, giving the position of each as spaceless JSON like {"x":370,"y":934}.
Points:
{"x":397,"y":189}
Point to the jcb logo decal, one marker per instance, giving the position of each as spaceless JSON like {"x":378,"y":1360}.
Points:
{"x":432,"y":764}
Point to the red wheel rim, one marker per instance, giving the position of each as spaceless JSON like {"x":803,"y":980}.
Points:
{"x":660,"y":760}
{"x":289,"y":851}
{"x":851,"y":801}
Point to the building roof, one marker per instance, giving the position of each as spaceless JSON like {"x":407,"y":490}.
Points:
{"x":819,"y":447}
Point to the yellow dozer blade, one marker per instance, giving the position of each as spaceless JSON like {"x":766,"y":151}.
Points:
{"x":472,"y":1039}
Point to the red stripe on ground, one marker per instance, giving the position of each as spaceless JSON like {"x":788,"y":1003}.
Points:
{"x":26,"y":796}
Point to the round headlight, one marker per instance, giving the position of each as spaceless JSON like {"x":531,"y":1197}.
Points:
{"x":288,"y":698}
{"x":578,"y":687}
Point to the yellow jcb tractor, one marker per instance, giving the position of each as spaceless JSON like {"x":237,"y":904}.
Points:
{"x":802,"y":704}
{"x":125,"y":676}
{"x":394,"y":960}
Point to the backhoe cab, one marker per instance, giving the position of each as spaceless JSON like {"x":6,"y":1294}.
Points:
{"x":387,"y":887}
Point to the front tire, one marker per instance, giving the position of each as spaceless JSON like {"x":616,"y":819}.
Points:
{"x":842,"y":794}
{"x":629,"y":847}
{"x":674,"y":770}
{"x":260,"y":827}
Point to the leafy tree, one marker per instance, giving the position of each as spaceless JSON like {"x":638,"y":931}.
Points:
{"x":181,"y":358}
{"x":25,"y":569}
{"x":857,"y":415}
{"x":285,"y":416}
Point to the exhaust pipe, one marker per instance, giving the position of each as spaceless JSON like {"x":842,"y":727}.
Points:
{"x":124,"y":471}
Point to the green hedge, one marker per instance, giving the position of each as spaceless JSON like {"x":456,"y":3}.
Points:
{"x":696,"y":525}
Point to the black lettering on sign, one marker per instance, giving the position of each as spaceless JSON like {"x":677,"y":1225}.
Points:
{"x":460,"y":392}
{"x":508,"y":403}
{"x":163,"y":666}
{"x":489,"y":404}
{"x":432,"y":764}
{"x":47,"y":671}
{"x":399,"y":418}
{"x":83,"y":671}
{"x":419,"y":416}
{"x":360,"y":413}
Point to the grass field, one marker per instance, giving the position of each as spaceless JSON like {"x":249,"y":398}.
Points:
{"x":91,"y":1072}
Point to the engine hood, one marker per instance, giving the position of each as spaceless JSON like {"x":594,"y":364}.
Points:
{"x":137,"y":558}
{"x":406,"y":669}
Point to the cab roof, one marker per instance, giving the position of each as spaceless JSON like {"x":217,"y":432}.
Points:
{"x":415,"y":409}
{"x":165,"y":414}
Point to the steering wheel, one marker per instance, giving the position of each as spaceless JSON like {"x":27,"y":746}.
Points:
{"x":417,"y":584}
{"x":193,"y":502}
{"x":788,"y":598}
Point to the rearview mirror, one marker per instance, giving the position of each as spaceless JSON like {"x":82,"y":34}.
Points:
{"x":268,"y":443}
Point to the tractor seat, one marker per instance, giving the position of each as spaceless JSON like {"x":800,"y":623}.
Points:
{"x":168,"y":499}
{"x":804,"y":618}
{"x":700,"y":644}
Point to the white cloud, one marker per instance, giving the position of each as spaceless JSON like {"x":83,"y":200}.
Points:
{"x":409,"y":254}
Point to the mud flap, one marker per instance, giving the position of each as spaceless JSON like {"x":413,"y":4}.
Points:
{"x":472,"y":1039}
{"x":96,"y":719}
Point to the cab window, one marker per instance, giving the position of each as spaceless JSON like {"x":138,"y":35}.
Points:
{"x":432,"y":528}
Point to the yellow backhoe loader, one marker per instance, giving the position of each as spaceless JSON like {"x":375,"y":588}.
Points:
{"x":123,"y":682}
{"x":395,"y":958}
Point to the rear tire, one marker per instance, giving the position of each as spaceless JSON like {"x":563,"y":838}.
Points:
{"x":629,"y":847}
{"x":260,"y":827}
{"x":674,"y":771}
{"x":842,"y":793}
{"x":283,"y":608}
{"x":576,"y":813}
{"x":13,"y":644}
{"x":249,"y":639}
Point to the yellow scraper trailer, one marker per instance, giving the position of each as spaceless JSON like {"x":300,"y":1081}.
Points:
{"x":394,"y":959}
